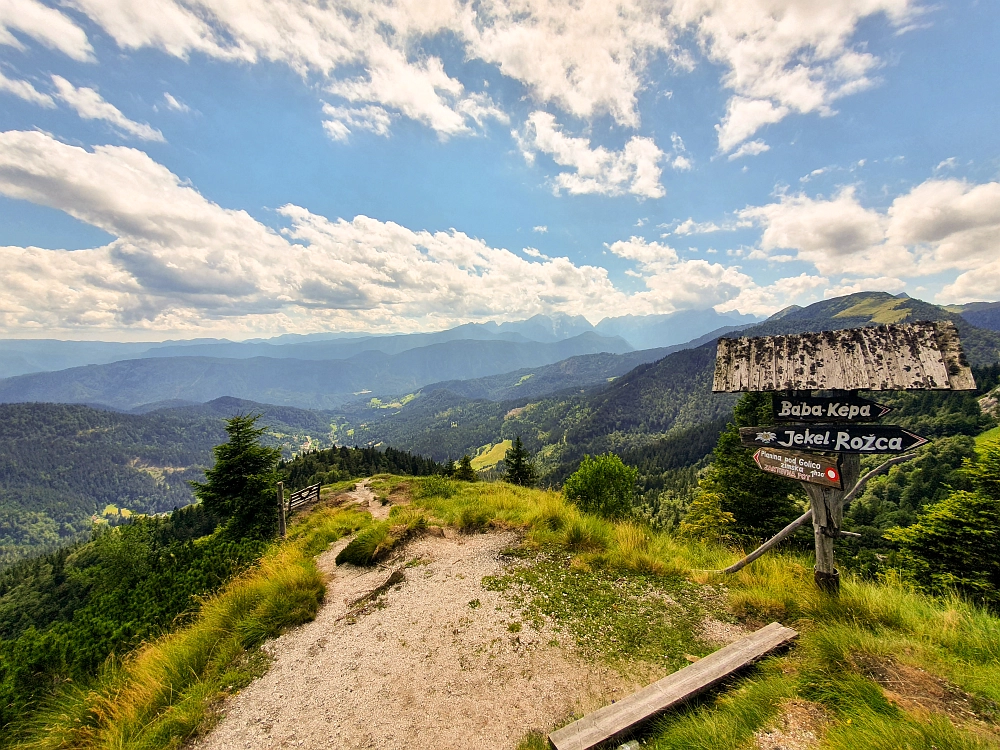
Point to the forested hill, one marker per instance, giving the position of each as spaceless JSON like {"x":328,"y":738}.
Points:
{"x":60,"y":465}
{"x":65,"y":466}
{"x":644,"y":412}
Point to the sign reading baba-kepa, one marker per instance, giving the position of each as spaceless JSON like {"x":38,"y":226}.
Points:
{"x":832,"y":437}
{"x":805,"y":467}
{"x":805,"y":408}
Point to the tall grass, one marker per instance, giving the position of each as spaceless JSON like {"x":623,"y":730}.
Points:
{"x":159,"y":695}
{"x":945,"y":636}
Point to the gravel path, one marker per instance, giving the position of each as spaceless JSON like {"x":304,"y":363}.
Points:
{"x":436,"y":661}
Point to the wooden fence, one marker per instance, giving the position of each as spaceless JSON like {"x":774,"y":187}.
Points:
{"x":297,"y":499}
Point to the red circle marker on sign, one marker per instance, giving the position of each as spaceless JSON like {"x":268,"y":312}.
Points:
{"x":832,"y":474}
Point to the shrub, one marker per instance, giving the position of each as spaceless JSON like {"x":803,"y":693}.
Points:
{"x":602,"y":485}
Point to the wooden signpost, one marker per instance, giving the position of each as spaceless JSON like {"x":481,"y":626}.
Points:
{"x":820,"y":437}
{"x":867,"y":438}
{"x":805,"y":467}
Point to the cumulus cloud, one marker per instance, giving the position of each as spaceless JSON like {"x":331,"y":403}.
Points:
{"x":768,"y":299}
{"x":675,"y":284}
{"x":541,"y":229}
{"x":635,"y":169}
{"x":25,"y":91}
{"x":690,"y":226}
{"x":180,"y":262}
{"x":750,"y":148}
{"x":586,"y":57}
{"x":341,"y":121}
{"x":48,"y":26}
{"x":938,"y":226}
{"x":90,"y":105}
{"x":785,"y":56}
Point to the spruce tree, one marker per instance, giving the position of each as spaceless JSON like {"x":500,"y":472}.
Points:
{"x":761,"y":504}
{"x":520,"y":468}
{"x":465,"y":471}
{"x":240,"y":487}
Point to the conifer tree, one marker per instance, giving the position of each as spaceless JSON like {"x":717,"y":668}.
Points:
{"x":955,"y":543}
{"x":239,"y":488}
{"x":465,"y":471}
{"x":520,"y":468}
{"x":761,"y":504}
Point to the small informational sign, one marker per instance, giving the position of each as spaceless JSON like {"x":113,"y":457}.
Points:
{"x":841,"y":438}
{"x":806,"y":408}
{"x":804,"y":467}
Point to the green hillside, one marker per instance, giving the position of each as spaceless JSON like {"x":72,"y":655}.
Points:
{"x":637,"y":410}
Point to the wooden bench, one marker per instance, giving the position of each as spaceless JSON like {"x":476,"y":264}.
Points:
{"x":619,"y":719}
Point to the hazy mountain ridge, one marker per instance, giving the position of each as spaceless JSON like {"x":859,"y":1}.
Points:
{"x":303,"y":383}
{"x":25,"y":356}
{"x":651,"y":402}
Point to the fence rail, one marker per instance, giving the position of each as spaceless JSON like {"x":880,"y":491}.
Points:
{"x":301,"y":497}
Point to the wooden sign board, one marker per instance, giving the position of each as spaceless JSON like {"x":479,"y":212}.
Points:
{"x":914,"y":356}
{"x":803,"y":407}
{"x":804,"y":467}
{"x":842,"y":438}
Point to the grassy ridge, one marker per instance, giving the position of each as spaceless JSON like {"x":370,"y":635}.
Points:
{"x":850,"y":658}
{"x":160,"y":694}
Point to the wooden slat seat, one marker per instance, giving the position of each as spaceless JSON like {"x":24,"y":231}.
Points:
{"x":618,"y":719}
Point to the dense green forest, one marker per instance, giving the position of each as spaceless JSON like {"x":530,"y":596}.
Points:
{"x":337,"y":464}
{"x":61,"y":465}
{"x":654,"y":402}
{"x":63,"y":614}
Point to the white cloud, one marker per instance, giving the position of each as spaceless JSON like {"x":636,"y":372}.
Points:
{"x":767,"y":300}
{"x":341,"y":121}
{"x":690,"y":226}
{"x":585,"y":56}
{"x":182,"y":263}
{"x":90,"y":105}
{"x":541,"y":229}
{"x":785,"y":56}
{"x":878,"y":284}
{"x":744,"y":117}
{"x":635,"y":169}
{"x":938,"y":226}
{"x":750,"y":148}
{"x":175,"y":104}
{"x":25,"y":91}
{"x":823,"y":232}
{"x":46,"y":25}
{"x":674,"y":284}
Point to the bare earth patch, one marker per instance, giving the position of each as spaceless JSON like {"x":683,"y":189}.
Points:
{"x":431,"y":661}
{"x":798,"y":727}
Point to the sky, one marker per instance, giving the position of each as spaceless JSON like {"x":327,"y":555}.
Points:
{"x":243,"y":168}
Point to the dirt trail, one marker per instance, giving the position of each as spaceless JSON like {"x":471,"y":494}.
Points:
{"x":436,"y":662}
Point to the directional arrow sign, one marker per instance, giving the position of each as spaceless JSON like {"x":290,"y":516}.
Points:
{"x":840,"y":438}
{"x":806,"y":408}
{"x":805,"y":467}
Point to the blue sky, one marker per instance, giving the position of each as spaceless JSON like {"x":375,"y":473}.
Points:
{"x":201,"y":167}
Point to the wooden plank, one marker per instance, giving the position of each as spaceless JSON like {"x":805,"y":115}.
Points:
{"x":913,"y":356}
{"x":620,"y":718}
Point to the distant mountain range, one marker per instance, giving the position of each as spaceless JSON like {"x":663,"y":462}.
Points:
{"x":25,"y":356}
{"x":308,"y":383}
{"x":656,"y":401}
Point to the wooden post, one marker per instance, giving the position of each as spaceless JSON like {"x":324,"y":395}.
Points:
{"x":828,"y":513}
{"x":281,"y":509}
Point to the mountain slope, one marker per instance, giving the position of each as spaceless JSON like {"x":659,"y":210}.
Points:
{"x":649,"y":403}
{"x":303,"y":383}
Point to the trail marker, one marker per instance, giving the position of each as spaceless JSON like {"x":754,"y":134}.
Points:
{"x":806,"y":408}
{"x":842,"y":438}
{"x":804,"y":467}
{"x":917,"y":356}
